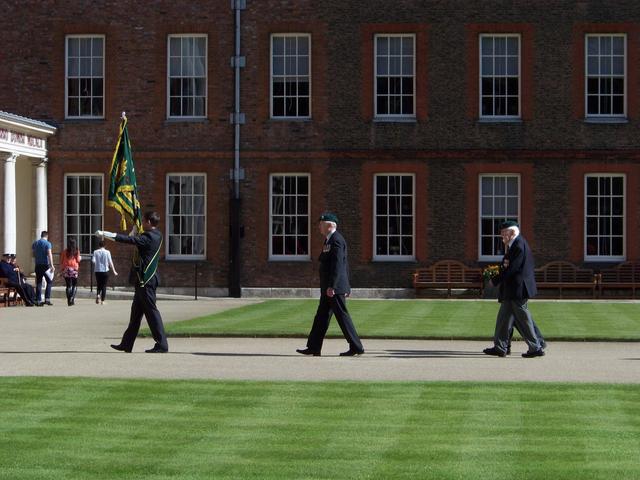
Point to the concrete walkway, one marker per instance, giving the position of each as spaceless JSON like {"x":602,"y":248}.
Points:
{"x":74,"y":341}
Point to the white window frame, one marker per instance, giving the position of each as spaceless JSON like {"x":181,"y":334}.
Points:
{"x":66,"y":214}
{"x":586,"y":78}
{"x":178,"y":256}
{"x":206,"y":76}
{"x":494,"y":76}
{"x":288,"y":117}
{"x":394,"y":258}
{"x":66,"y":76}
{"x":393,"y":116}
{"x":295,"y":258}
{"x":494,"y":258}
{"x":606,"y":258}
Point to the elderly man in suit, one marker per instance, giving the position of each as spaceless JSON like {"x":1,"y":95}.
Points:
{"x":334,"y":288}
{"x":517,"y":285}
{"x":16,"y":279}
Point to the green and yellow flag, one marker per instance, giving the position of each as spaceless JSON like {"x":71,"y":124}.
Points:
{"x":123,"y":189}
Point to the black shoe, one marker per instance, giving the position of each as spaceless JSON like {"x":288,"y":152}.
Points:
{"x":543,"y":345}
{"x":308,"y":351}
{"x":494,"y":351}
{"x":39,"y":304}
{"x":48,"y":302}
{"x":351,"y":353}
{"x":120,"y":348}
{"x":534,"y":353}
{"x":509,"y":350}
{"x":157,"y":349}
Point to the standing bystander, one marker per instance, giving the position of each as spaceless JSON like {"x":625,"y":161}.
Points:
{"x":44,"y":261}
{"x":70,"y":266}
{"x":102,"y":262}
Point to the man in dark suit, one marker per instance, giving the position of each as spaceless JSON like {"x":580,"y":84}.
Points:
{"x":517,"y":285}
{"x":16,"y":279}
{"x":334,"y":288}
{"x":145,"y":278}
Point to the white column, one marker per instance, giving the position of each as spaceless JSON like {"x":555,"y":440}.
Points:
{"x":41,"y":197}
{"x":10,"y":203}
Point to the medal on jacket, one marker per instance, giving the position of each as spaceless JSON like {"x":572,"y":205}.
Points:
{"x":326,"y":248}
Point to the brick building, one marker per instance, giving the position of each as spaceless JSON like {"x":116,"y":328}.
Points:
{"x":422,"y":124}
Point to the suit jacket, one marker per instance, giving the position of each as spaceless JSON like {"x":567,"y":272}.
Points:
{"x":334,"y":268}
{"x":147,"y":243}
{"x":516,"y":278}
{"x":7,"y":271}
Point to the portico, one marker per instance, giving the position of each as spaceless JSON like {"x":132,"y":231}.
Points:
{"x":23,"y":183}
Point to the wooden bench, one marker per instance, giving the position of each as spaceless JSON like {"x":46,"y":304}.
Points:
{"x":448,"y":274}
{"x":625,"y":276}
{"x":562,"y":275}
{"x":8,"y":295}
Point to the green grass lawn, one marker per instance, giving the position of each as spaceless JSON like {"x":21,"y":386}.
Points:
{"x":421,"y":319}
{"x":61,"y":428}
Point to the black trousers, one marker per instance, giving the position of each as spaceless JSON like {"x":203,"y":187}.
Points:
{"x":40,"y":269}
{"x":337,"y":306}
{"x":70,"y":289}
{"x":144,"y":303}
{"x":101,"y":281}
{"x":26,"y":292}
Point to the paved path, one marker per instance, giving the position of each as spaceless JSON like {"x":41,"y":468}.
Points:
{"x":74,"y":341}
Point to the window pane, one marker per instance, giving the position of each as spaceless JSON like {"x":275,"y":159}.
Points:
{"x":394,"y":66}
{"x":394,"y":215}
{"x":604,"y":223}
{"x":187,"y":76}
{"x":289,"y":220}
{"x":500,"y":76}
{"x":83,"y":209}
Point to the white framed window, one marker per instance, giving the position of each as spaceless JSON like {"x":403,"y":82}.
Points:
{"x":289,"y":198}
{"x":187,"y":76}
{"x":395,"y":79}
{"x":500,"y":76}
{"x":186,"y":216}
{"x":499,"y":202}
{"x":605,"y":75}
{"x":84,"y":76}
{"x":394,"y":216}
{"x":604,"y":226}
{"x":83,"y":209}
{"x":291,"y":75}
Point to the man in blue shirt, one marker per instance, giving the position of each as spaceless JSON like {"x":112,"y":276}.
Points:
{"x":44,"y":261}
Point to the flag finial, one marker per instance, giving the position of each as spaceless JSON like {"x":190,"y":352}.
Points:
{"x":124,"y":115}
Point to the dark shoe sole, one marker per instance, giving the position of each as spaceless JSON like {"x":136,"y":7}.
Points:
{"x":351,"y":353}
{"x":308,"y":353}
{"x":120,"y":348}
{"x":494,"y":353}
{"x":539,"y":353}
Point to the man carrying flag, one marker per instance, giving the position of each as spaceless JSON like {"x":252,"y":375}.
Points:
{"x":123,"y":197}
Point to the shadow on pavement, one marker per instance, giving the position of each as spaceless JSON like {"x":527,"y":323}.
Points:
{"x":233,"y":354}
{"x":431,"y":354}
{"x":56,"y":351}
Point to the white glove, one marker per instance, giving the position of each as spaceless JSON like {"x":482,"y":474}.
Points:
{"x":134,"y":231}
{"x":103,"y":233}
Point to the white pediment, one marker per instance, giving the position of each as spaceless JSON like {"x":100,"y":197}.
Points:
{"x":24,"y":136}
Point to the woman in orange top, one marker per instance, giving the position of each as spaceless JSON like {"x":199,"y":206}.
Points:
{"x":69,"y":266}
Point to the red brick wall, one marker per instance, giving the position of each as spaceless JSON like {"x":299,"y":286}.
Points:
{"x":340,"y":147}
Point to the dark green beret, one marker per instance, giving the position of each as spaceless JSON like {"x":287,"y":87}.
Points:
{"x":328,"y":217}
{"x":508,"y":224}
